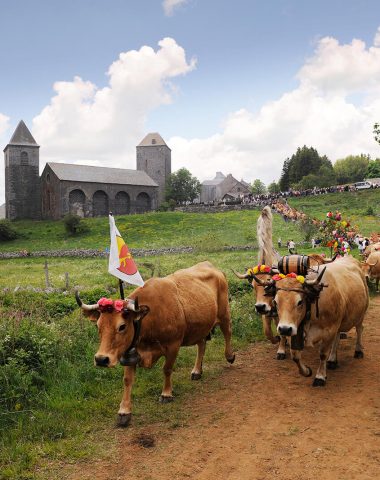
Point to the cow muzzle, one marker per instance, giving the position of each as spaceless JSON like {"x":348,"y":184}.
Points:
{"x":102,"y":361}
{"x":287,"y":330}
{"x":262,"y":308}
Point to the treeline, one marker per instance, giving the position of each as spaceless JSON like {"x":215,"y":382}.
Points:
{"x":307,"y":169}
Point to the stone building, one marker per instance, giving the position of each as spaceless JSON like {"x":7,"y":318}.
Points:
{"x":80,"y":189}
{"x":223,"y":188}
{"x":153,"y":156}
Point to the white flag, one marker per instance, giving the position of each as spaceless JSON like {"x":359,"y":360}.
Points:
{"x":121,"y":263}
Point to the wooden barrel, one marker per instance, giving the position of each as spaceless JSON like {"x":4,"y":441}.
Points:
{"x":298,"y":264}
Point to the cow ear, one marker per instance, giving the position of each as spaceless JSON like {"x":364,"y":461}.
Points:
{"x":92,"y":315}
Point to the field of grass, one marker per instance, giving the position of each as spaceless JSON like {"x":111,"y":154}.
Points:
{"x":352,"y":205}
{"x":54,"y":405}
{"x":150,"y":230}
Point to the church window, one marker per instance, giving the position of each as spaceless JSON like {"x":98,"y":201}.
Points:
{"x":48,"y":178}
{"x":143,"y":203}
{"x":100,"y":204}
{"x":122,"y":203}
{"x":154,"y":141}
{"x":24,"y":158}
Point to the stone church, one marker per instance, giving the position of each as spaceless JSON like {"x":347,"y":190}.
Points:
{"x":80,"y":189}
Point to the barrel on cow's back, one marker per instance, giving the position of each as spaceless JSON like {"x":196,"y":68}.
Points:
{"x":298,"y":264}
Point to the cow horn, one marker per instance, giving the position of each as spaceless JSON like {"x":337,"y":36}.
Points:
{"x":372,"y":264}
{"x":133,"y":304}
{"x":330,"y":260}
{"x":316,"y":280}
{"x":83,"y":305}
{"x":259,"y":281}
{"x":241,"y":276}
{"x":274,"y":270}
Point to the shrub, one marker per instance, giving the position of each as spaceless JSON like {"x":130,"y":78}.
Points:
{"x":369,"y":211}
{"x":7,"y":231}
{"x":74,"y":224}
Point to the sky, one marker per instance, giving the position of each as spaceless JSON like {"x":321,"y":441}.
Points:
{"x":232,"y":86}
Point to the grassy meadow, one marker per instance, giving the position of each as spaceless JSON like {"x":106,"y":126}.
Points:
{"x":55,"y":406}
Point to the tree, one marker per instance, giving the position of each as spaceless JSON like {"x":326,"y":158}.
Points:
{"x":274,"y":187}
{"x":376,"y":132}
{"x":373,"y":169}
{"x":351,"y":169}
{"x":258,"y":187}
{"x":182,"y":186}
{"x":306,"y":164}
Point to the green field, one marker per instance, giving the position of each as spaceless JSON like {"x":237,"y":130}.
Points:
{"x":352,"y":205}
{"x":54,"y":405}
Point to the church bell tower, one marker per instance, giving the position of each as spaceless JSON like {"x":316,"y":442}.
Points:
{"x":22,"y":181}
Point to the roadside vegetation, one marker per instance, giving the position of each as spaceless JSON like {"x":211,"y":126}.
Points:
{"x":55,"y":406}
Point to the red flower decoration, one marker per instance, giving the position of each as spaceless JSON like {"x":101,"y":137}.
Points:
{"x":105,"y":302}
{"x":276,"y":277}
{"x":292,"y":275}
{"x":119,"y":305}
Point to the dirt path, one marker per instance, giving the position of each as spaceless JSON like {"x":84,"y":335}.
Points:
{"x":265,"y":421}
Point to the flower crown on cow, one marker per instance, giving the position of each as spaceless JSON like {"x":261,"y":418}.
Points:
{"x":280,"y":276}
{"x":108,"y":305}
{"x":259,"y":269}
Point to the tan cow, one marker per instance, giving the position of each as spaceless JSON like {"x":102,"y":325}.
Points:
{"x":157,"y":319}
{"x":371,"y":268}
{"x":372,"y":247}
{"x":342,"y":304}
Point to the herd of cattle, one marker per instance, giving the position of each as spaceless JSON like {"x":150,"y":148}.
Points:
{"x":309,"y":308}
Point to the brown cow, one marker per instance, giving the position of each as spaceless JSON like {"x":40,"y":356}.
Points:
{"x":178,"y":310}
{"x":371,"y":268}
{"x":372,"y":247}
{"x":340,"y":307}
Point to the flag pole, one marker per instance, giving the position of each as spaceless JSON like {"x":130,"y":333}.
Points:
{"x":121,"y":288}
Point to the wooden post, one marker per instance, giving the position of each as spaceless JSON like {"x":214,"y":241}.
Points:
{"x":66,"y":280}
{"x":47,"y":274}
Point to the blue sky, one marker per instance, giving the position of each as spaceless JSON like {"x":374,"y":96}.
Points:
{"x":235,"y":72}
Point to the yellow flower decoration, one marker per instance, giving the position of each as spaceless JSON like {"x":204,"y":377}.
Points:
{"x":282,"y":275}
{"x":256,"y":270}
{"x":301,"y":278}
{"x":344,"y":224}
{"x":335,"y":244}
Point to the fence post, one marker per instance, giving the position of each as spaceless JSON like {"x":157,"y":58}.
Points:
{"x":66,"y":280}
{"x":47,"y":274}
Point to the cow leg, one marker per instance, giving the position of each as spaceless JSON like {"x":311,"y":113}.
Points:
{"x":225,"y":326}
{"x":332,"y":361}
{"x":302,"y":368}
{"x":267,"y":328}
{"x":320,"y":377}
{"x":281,"y":352}
{"x":170,"y":358}
{"x":377,"y":285}
{"x":196,"y":373}
{"x":124,"y":413}
{"x":359,"y":347}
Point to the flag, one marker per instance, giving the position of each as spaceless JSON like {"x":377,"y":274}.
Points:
{"x":121,"y":263}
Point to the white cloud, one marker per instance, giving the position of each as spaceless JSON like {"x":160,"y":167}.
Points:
{"x":321,"y":113}
{"x":83,"y":122}
{"x":170,"y":5}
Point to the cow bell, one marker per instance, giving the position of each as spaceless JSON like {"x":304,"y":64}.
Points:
{"x":130,"y":358}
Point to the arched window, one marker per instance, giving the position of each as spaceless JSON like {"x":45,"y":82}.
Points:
{"x":122,"y":203}
{"x":76,"y":202}
{"x":143,"y":203}
{"x":24,"y":158}
{"x":100,"y":204}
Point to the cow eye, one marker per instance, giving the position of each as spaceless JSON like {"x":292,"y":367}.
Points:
{"x":300,"y":302}
{"x":122,"y":327}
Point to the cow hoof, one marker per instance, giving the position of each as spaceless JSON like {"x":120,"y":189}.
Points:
{"x":332,"y":365}
{"x":232,"y":359}
{"x":123,"y":420}
{"x":319,"y":382}
{"x":358,"y":354}
{"x":165,"y":399}
{"x":310,"y":372}
{"x":343,"y":335}
{"x":196,"y":376}
{"x":281,"y":356}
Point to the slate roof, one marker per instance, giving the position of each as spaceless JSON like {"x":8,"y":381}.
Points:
{"x":85,"y":173}
{"x":22,"y":136}
{"x":219,"y":177}
{"x":152,"y":140}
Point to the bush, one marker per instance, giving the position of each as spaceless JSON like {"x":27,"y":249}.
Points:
{"x":369,"y":211}
{"x":7,"y":231}
{"x":74,"y":224}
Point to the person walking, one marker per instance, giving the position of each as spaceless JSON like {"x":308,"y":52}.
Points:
{"x":292,"y":247}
